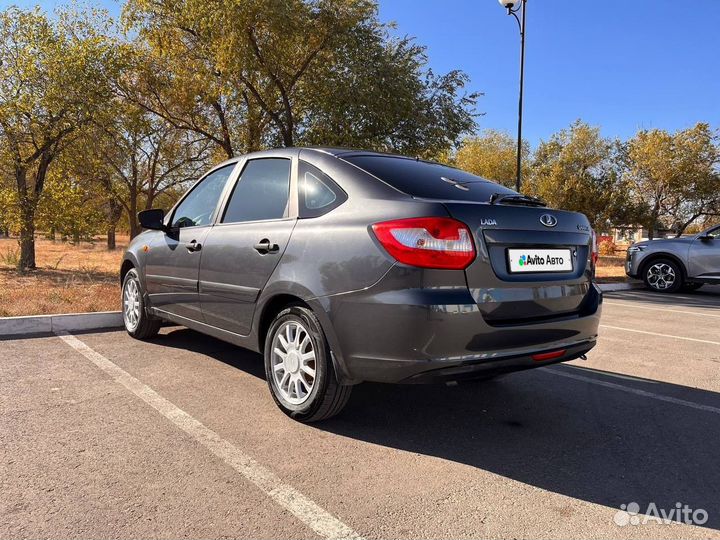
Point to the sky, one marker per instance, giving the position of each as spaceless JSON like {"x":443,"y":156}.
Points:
{"x":617,"y":64}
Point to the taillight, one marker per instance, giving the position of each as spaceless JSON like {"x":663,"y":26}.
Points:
{"x":429,"y":242}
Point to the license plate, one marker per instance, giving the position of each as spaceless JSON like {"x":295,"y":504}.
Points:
{"x":539,"y":260}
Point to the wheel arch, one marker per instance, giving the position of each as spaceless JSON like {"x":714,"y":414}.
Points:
{"x":277,"y":302}
{"x":271,"y":308}
{"x":127,"y":265}
{"x":663,"y":255}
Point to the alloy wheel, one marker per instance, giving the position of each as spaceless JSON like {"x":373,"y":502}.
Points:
{"x":661,"y":276}
{"x":131,"y":304}
{"x":293,"y":362}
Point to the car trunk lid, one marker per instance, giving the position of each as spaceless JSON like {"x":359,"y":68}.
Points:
{"x":533,"y":263}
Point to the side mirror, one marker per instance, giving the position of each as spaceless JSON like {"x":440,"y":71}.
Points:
{"x":705,"y":238}
{"x":152,"y":219}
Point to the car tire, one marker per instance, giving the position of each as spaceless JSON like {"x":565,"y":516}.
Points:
{"x":299,"y":368}
{"x":663,"y":275}
{"x":138,"y":323}
{"x":692,"y":286}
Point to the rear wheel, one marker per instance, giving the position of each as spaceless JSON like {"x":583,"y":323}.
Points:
{"x":663,"y":275}
{"x":299,"y":369}
{"x":137,"y":321}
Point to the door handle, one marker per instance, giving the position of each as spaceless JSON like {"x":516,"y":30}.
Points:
{"x":264,"y":246}
{"x":193,"y":246}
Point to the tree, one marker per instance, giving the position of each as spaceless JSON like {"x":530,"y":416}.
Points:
{"x":676,"y":175}
{"x":176,"y":80}
{"x":69,"y":207}
{"x":493,"y":155}
{"x":54,"y":81}
{"x":137,"y":157}
{"x":577,"y":169}
{"x":256,"y":73}
{"x":378,"y":94}
{"x":9,"y":215}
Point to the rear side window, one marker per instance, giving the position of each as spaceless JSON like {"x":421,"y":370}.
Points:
{"x":428,"y":180}
{"x":261,"y":192}
{"x":318,"y":193}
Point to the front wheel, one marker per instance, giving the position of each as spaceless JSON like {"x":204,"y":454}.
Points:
{"x":299,"y":369}
{"x":663,"y":275}
{"x":137,"y":321}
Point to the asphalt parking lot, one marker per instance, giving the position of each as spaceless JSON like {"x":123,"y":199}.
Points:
{"x":103,"y":436}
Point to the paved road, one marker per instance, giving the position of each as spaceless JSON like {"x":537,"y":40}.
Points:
{"x":103,"y":436}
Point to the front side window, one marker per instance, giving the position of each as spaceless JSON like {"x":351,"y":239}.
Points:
{"x":318,"y":192}
{"x":261,"y":193}
{"x":199,"y":206}
{"x":715,"y":233}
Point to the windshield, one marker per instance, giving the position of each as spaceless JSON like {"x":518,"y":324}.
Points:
{"x":428,"y":180}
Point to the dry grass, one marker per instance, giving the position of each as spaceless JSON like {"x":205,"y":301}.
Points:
{"x":611,"y":269}
{"x":69,"y":279}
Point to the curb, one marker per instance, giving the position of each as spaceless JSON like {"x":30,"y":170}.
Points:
{"x":610,"y":287}
{"x":69,"y":322}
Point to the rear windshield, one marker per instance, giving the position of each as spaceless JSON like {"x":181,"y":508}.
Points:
{"x":428,"y":180}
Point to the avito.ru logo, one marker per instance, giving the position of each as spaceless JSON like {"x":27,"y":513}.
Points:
{"x":538,"y":260}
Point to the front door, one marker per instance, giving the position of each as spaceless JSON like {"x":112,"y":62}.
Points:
{"x":244,"y":247}
{"x":173,"y":259}
{"x":705,"y":256}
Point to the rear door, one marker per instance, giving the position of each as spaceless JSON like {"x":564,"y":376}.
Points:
{"x":245,"y":246}
{"x":173,"y":259}
{"x":705,"y":256}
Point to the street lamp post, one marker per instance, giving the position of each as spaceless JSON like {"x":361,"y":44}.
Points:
{"x":513,"y":6}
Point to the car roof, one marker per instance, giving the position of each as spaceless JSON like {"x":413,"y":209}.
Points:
{"x":348,"y":152}
{"x":337,"y":152}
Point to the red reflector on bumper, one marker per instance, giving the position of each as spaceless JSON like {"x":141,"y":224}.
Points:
{"x":548,"y":355}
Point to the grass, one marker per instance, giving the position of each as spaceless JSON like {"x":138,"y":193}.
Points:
{"x":69,"y":278}
{"x":611,"y":269}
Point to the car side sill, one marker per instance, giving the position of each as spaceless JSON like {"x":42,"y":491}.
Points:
{"x":214,"y":331}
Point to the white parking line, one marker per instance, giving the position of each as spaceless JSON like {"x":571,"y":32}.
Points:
{"x":634,"y":306}
{"x":660,"y":335}
{"x":308,"y":512}
{"x":630,"y":390}
{"x":662,"y":299}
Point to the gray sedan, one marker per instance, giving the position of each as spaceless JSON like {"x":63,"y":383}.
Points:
{"x":348,"y":266}
{"x":667,"y":265}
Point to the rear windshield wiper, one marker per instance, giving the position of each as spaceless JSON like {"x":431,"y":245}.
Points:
{"x":516,"y":198}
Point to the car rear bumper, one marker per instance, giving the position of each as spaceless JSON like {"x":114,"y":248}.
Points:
{"x":495,"y":366}
{"x":432,"y":332}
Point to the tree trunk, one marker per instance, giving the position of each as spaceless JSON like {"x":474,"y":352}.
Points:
{"x":114,"y":212}
{"x":652,"y":222}
{"x":27,"y":221}
{"x":6,"y":232}
{"x":132,"y":216}
{"x":111,"y":245}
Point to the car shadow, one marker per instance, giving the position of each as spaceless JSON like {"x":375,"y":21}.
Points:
{"x":608,"y":441}
{"x":189,"y":340}
{"x":561,"y":434}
